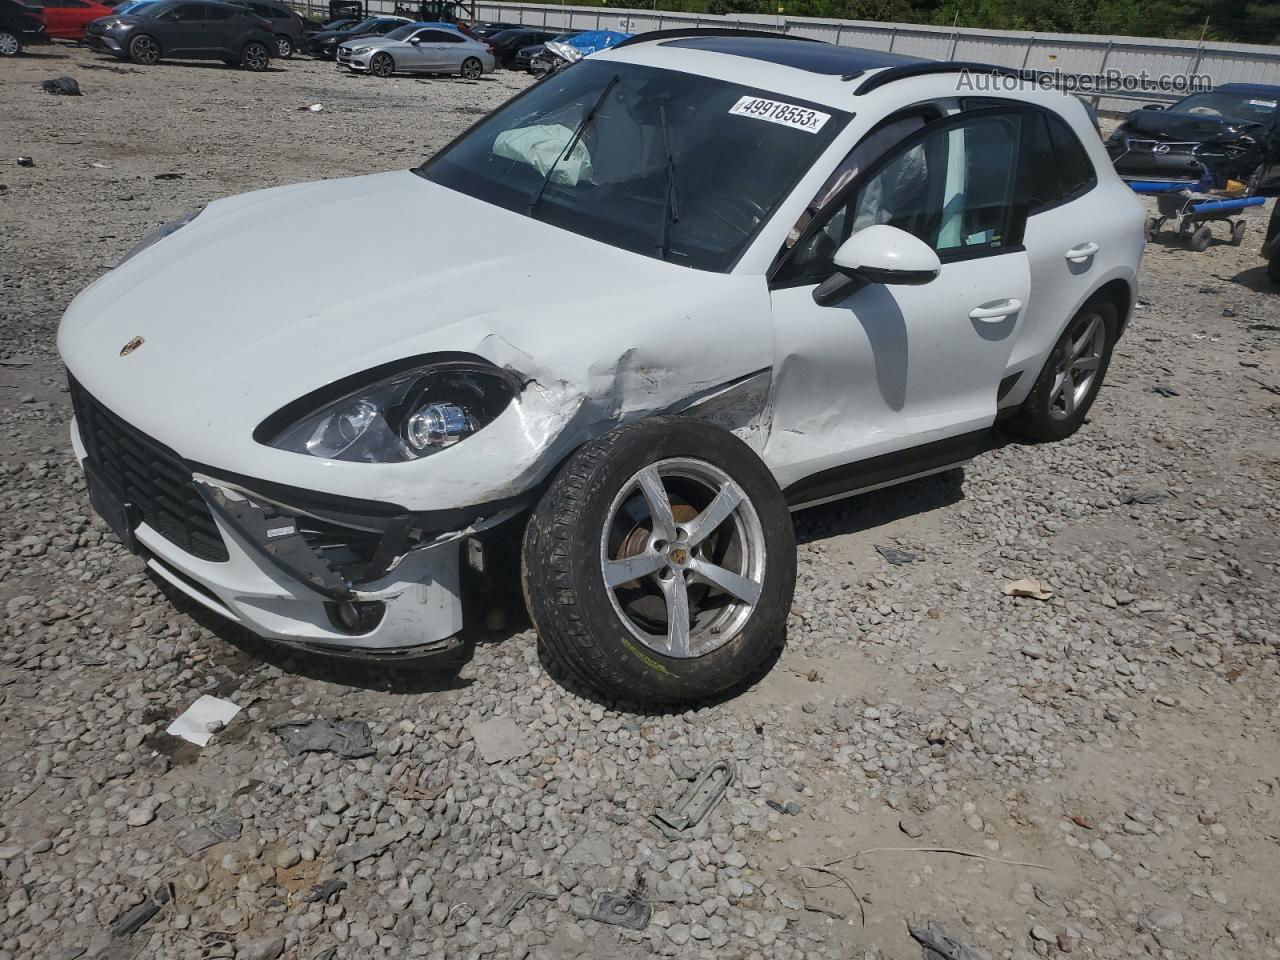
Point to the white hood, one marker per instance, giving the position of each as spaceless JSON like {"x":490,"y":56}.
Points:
{"x":269,"y":295}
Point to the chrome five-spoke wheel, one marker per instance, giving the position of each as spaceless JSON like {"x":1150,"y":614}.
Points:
{"x":1078,"y":365}
{"x":683,"y":557}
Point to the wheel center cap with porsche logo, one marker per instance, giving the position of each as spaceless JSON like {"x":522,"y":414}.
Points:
{"x":131,"y":346}
{"x":679,"y":556}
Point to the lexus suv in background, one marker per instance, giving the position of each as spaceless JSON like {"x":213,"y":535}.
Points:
{"x":185,"y":30}
{"x":615,"y":333}
{"x":1229,"y":133}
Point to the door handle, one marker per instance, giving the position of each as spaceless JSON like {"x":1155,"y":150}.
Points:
{"x":997,"y":310}
{"x":1082,"y":252}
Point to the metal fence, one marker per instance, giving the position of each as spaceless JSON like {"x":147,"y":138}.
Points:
{"x":1073,"y":55}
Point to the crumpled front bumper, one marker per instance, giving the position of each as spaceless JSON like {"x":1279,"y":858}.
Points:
{"x":279,"y":585}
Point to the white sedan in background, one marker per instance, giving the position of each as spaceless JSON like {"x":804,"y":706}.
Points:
{"x":418,"y":48}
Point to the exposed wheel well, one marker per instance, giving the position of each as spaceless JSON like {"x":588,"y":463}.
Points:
{"x":1120,"y":293}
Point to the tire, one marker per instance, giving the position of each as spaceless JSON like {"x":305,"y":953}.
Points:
{"x":284,"y":47}
{"x":1046,"y":414}
{"x":620,"y":640}
{"x":472,"y":68}
{"x":1237,"y":233}
{"x":1153,"y":227}
{"x":382,"y":65}
{"x":255,"y":57}
{"x":10,"y":43}
{"x":1255,"y":180}
{"x":1199,"y":240}
{"x":144,"y":50}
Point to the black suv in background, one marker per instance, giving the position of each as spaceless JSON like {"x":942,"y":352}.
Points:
{"x":325,"y":43}
{"x":506,"y":43}
{"x":287,"y":25}
{"x":186,"y":30}
{"x":19,"y":26}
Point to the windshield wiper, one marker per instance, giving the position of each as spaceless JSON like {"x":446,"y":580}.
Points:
{"x":671,"y":206}
{"x":578,"y":134}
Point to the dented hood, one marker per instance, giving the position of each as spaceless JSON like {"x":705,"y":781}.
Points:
{"x":267,"y":296}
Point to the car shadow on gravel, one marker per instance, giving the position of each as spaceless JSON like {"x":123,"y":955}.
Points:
{"x":879,"y":507}
{"x":1255,"y":279}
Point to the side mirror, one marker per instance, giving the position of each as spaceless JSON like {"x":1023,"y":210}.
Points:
{"x":1153,"y":106}
{"x":415,"y":41}
{"x":878,"y":254}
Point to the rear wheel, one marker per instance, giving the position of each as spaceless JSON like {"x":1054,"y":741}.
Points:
{"x":255,"y":56}
{"x":1069,"y":383}
{"x":382,"y":65}
{"x":1237,"y":233}
{"x":10,"y":43}
{"x":284,"y":47}
{"x":472,"y":68}
{"x":144,"y":50}
{"x":660,"y":564}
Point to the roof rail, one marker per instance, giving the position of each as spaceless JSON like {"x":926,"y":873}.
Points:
{"x":653,"y":36}
{"x":890,"y":74}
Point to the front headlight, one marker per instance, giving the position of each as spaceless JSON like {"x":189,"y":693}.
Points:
{"x":159,"y":233}
{"x":400,"y":415}
{"x":360,"y":50}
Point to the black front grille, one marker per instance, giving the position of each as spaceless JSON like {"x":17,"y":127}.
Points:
{"x":148,"y":475}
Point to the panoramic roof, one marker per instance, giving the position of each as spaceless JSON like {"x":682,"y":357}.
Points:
{"x":815,"y":57}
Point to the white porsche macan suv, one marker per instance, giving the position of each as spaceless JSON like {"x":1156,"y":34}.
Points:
{"x":616,"y":331}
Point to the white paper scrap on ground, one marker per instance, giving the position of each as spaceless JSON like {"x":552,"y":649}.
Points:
{"x":192,"y":724}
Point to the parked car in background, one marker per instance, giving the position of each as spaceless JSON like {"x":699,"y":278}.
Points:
{"x":285,"y":24}
{"x":524,"y":57}
{"x":1228,"y":133}
{"x":418,"y":48}
{"x":618,"y":330}
{"x":487,"y":28}
{"x":185,"y":30}
{"x":66,"y":19}
{"x":20,"y":25}
{"x":324,"y":44}
{"x":506,"y":43}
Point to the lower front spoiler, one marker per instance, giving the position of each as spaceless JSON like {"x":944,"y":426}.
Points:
{"x":419,"y":600}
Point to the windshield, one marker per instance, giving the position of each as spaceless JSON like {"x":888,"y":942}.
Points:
{"x":133,"y":6}
{"x":362,"y":25}
{"x":669,"y":165}
{"x":403,"y":33}
{"x":1235,"y":104}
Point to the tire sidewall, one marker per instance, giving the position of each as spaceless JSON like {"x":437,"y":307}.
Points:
{"x":133,"y":56}
{"x":1036,"y":420}
{"x":650,"y":674}
{"x":244,"y":56}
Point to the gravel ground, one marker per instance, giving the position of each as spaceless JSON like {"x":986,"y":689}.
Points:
{"x":1106,"y":756}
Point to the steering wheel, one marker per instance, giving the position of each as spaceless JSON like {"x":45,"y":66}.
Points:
{"x":741,"y":213}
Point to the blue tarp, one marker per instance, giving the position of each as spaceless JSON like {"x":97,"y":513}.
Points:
{"x":594,"y":41}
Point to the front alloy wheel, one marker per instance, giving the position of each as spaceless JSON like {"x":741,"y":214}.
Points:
{"x":284,"y":47}
{"x":10,"y":43}
{"x":472,"y":68}
{"x":144,"y":51}
{"x":255,"y":57}
{"x":660,"y":564}
{"x":382,"y":65}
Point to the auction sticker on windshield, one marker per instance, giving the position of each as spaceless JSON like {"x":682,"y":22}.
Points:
{"x":787,"y":114}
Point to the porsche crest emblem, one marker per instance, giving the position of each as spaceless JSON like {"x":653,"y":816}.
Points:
{"x":131,"y":346}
